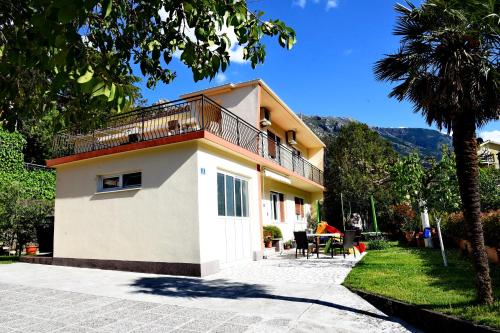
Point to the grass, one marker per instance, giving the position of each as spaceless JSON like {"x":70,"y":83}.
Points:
{"x":417,"y":276}
{"x":8,"y":259}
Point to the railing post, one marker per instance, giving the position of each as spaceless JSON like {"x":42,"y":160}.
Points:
{"x":202,"y":112}
{"x":238,"y":130}
{"x":142,"y":123}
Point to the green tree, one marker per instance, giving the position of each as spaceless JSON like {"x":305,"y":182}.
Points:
{"x":89,"y":47}
{"x":448,"y":67}
{"x":356,"y":163}
{"x":489,"y":183}
{"x":426,"y":183}
{"x":20,"y":215}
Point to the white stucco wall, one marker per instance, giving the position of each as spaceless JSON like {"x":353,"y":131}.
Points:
{"x":219,"y":235}
{"x":158,"y":222}
{"x":243,"y":102}
{"x":291,"y":223}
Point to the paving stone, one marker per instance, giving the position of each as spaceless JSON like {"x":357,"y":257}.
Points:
{"x":75,"y":329}
{"x":152,"y":328}
{"x":173,"y":321}
{"x":123,"y":313}
{"x":192,"y":312}
{"x":147,"y":317}
{"x":44,"y":326}
{"x":121,"y":326}
{"x":277,"y":322}
{"x":230,"y":328}
{"x":97,"y":322}
{"x":217,"y":315}
{"x":143,"y":306}
{"x":168,"y":309}
{"x":200,"y":325}
{"x":245,"y":320}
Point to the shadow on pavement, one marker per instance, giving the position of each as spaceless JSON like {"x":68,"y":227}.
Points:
{"x":195,"y":287}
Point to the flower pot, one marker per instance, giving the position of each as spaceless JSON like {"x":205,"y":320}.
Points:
{"x":31,"y":250}
{"x":409,"y":236}
{"x":268,"y":245}
{"x":492,"y":253}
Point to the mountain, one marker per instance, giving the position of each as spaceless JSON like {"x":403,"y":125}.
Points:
{"x":427,"y":142}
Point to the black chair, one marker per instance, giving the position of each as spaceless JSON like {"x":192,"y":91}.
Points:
{"x":347,"y":243}
{"x":302,"y":242}
{"x":357,"y":238}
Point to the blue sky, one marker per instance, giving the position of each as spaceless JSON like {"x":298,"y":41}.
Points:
{"x":329,"y":70}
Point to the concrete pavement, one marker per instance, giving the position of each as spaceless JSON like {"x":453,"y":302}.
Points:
{"x":280,"y":294}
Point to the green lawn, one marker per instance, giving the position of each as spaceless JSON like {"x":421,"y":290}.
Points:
{"x":417,"y":276}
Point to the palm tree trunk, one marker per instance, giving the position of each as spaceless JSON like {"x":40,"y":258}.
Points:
{"x":465,"y":145}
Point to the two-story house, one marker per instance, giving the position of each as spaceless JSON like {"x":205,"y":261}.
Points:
{"x":185,"y":187}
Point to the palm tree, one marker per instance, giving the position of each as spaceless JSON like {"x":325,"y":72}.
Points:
{"x":448,"y":68}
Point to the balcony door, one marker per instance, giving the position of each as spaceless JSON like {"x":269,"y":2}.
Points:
{"x":273,"y":144}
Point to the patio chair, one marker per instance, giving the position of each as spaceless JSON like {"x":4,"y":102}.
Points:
{"x":347,"y":243}
{"x":302,"y":242}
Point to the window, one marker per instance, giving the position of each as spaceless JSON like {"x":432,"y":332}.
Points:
{"x":278,"y":206}
{"x":232,"y":196}
{"x":120,"y":182}
{"x":299,"y":208}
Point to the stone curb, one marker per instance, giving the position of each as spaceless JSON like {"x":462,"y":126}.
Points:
{"x":426,"y":320}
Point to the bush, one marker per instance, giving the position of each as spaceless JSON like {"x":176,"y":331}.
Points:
{"x":454,"y":226}
{"x":378,"y":244}
{"x":272,"y":229}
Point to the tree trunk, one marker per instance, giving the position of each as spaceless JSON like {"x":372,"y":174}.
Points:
{"x":465,"y":145}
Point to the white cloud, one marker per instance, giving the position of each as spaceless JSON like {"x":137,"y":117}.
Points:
{"x":490,"y":135}
{"x":300,"y":3}
{"x":220,"y":78}
{"x":330,"y":4}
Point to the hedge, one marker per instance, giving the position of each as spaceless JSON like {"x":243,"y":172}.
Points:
{"x":454,"y":226}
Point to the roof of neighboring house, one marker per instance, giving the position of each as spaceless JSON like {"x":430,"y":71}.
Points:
{"x":230,"y":86}
{"x":489,"y":143}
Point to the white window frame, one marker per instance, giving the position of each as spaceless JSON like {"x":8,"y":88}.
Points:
{"x":225,"y":173}
{"x":100,"y":182}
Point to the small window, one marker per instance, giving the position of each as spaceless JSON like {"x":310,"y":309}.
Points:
{"x":109,"y":183}
{"x":132,"y":179}
{"x":118,"y":182}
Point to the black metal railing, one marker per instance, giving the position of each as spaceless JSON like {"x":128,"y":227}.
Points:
{"x":180,"y":117}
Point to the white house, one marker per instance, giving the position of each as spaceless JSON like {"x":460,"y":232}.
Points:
{"x":185,"y":187}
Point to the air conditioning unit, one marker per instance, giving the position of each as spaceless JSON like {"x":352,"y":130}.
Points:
{"x":266,"y":119}
{"x":291,"y":137}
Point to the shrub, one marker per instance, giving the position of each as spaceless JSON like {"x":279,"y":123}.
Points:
{"x":378,"y":244}
{"x":454,"y":226}
{"x":272,"y":229}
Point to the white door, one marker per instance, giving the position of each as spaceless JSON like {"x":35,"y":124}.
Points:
{"x":233,"y":218}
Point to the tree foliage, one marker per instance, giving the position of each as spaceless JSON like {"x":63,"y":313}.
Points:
{"x":356,"y":163}
{"x":427,"y":183}
{"x":448,"y":67}
{"x":90,"y":47}
{"x":26,"y":196}
{"x":489,"y":182}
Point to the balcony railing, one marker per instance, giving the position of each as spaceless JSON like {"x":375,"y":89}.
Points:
{"x":179,"y":117}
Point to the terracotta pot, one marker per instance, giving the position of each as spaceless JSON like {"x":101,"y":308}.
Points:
{"x":409,"y":236}
{"x":492,"y":253}
{"x":269,"y":245}
{"x":31,"y":250}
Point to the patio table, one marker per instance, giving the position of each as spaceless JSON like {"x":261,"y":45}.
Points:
{"x":317,"y":236}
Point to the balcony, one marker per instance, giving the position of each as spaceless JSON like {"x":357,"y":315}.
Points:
{"x":198,"y":113}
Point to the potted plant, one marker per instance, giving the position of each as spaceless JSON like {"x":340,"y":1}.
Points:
{"x":287,"y":245}
{"x":31,"y":248}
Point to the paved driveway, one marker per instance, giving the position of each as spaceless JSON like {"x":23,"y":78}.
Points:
{"x":280,"y":294}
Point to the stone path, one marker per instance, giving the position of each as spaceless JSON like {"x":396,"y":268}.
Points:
{"x":280,"y":294}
